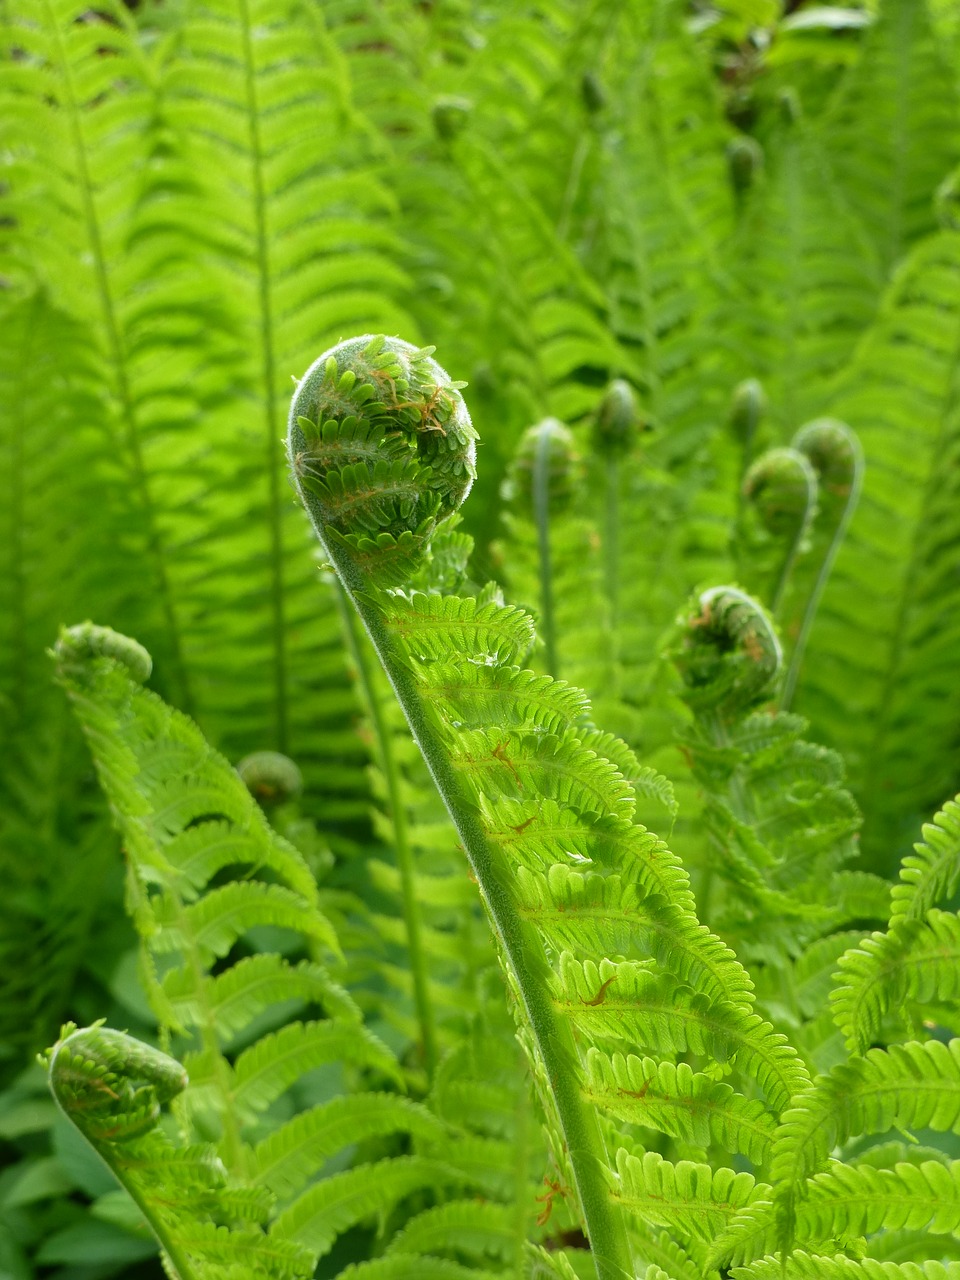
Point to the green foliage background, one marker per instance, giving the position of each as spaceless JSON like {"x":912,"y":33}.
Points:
{"x":199,"y":196}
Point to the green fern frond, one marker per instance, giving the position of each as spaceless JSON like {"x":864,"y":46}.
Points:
{"x":268,"y":1068}
{"x":288,"y":1158}
{"x":900,"y":90}
{"x":932,"y":872}
{"x":481,"y":1231}
{"x":908,"y":1086}
{"x":914,"y":962}
{"x":807,"y":1266}
{"x":329,"y":1207}
{"x":694,"y":1199}
{"x":897,"y":395}
{"x":680,"y":1102}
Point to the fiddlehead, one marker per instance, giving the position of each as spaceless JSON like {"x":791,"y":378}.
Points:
{"x":382,"y":449}
{"x":615,"y":430}
{"x":781,"y":485}
{"x":727,"y":653}
{"x":271,"y":777}
{"x":78,"y":644}
{"x":778,"y":821}
{"x":836,"y":456}
{"x":113,"y":1088}
{"x":747,"y":407}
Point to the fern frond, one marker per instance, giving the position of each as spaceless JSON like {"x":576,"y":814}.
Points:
{"x":898,"y":91}
{"x":915,"y":962}
{"x":931,"y":873}
{"x":690,"y":1198}
{"x":483,"y":1231}
{"x":286,"y":1159}
{"x":268,"y":1068}
{"x":678,"y":1101}
{"x":432,"y":627}
{"x":329,"y":1207}
{"x":614,"y":1001}
{"x":807,"y":1266}
{"x":897,"y":395}
{"x":908,"y":1086}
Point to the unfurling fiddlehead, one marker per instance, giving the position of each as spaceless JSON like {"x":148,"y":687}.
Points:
{"x":271,"y":777}
{"x":836,"y":456}
{"x":747,"y":407}
{"x":113,"y":1088}
{"x":728,"y":653}
{"x":78,"y":644}
{"x":782,"y":486}
{"x":382,"y":449}
{"x":615,"y":430}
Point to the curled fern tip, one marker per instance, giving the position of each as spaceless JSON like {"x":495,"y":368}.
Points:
{"x":85,"y":642}
{"x":382,"y":449}
{"x":727,"y":652}
{"x":270,"y":777}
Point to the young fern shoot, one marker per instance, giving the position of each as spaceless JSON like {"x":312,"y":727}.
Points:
{"x":382,"y":446}
{"x":836,"y":456}
{"x":601,"y":945}
{"x":782,"y":487}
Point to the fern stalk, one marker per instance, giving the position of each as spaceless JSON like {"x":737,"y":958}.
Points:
{"x":854,"y":486}
{"x":541,"y":513}
{"x":554,"y":1040}
{"x":357,"y":645}
{"x":117,"y":354}
{"x":278,"y":631}
{"x":374,"y":521}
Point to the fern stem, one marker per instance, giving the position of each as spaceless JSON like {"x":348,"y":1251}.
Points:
{"x":118,"y":359}
{"x":786,"y":567}
{"x":18,"y":573}
{"x":182,"y":1265}
{"x":572,"y":188}
{"x":271,"y":425}
{"x":357,"y":644}
{"x":611,"y":541}
{"x":819,"y":586}
{"x":541,"y":514}
{"x":554,"y":1039}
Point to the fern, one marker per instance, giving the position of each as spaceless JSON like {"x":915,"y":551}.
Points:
{"x":903,"y":87}
{"x":913,"y":959}
{"x":896,"y":662}
{"x":488,"y":778}
{"x":112,"y":1087}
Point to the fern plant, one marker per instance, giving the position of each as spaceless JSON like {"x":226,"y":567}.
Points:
{"x":604,"y":215}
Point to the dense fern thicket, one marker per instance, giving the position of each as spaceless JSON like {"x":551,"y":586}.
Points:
{"x":696,"y":268}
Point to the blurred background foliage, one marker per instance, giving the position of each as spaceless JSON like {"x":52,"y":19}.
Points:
{"x":198,"y":196}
